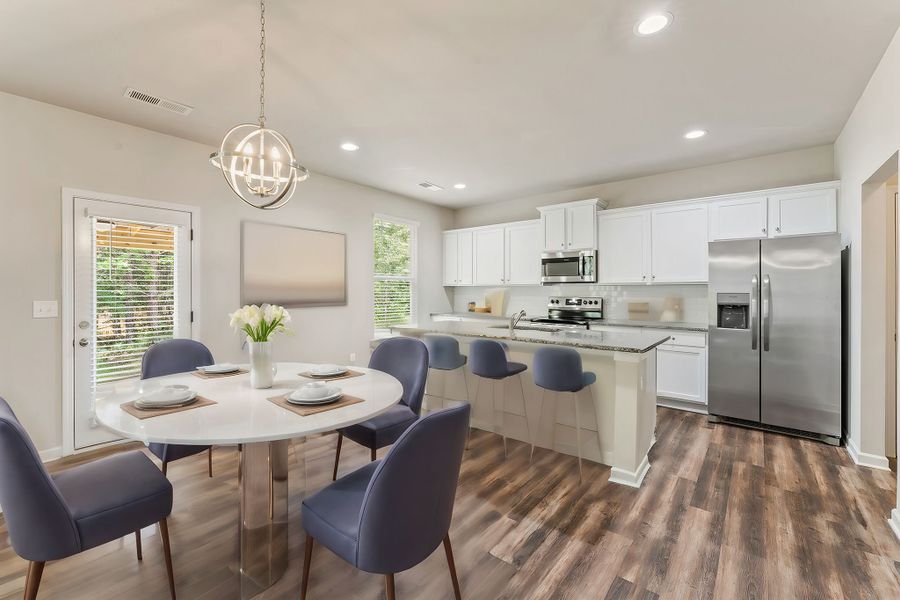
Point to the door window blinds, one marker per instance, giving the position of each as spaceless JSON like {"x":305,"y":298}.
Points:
{"x":135,"y":294}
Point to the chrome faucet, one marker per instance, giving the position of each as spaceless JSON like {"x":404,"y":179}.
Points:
{"x":514,"y":320}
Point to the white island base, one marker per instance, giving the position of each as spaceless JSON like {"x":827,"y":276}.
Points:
{"x":618,"y":413}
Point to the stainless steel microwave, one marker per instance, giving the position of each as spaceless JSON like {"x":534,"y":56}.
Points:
{"x":578,"y":266}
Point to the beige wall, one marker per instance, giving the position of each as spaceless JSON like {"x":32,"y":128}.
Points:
{"x":810,"y":165}
{"x":870,"y":137}
{"x":46,"y":147}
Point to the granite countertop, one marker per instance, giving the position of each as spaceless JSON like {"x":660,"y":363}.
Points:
{"x":673,"y":325}
{"x":637,"y":342}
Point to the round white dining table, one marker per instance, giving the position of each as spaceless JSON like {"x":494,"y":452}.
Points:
{"x":244,"y":415}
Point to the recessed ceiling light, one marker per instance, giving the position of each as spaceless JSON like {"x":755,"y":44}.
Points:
{"x":694,"y":134}
{"x":349,"y":147}
{"x":653,"y":23}
{"x":459,"y":186}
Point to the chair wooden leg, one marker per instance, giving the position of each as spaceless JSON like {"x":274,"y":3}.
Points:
{"x":337,"y":456}
{"x":307,"y":560}
{"x":137,"y":544}
{"x":373,"y":454}
{"x":452,"y":566}
{"x":165,"y":467}
{"x":210,"y":461}
{"x":167,"y":551}
{"x":33,"y":579}
{"x":389,"y":587}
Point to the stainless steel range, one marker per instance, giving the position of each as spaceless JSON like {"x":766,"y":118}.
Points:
{"x":572,"y":311}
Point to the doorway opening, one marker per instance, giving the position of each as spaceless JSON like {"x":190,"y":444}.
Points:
{"x":879,"y":311}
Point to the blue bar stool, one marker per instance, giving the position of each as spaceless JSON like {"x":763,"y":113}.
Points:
{"x":488,"y":361}
{"x":444,"y":355}
{"x":559,"y":370}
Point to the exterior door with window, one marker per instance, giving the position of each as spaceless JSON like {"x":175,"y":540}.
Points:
{"x":132,"y":287}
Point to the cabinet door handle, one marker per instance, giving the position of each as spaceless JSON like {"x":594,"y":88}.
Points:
{"x":643,"y":277}
{"x":778,"y":229}
{"x":763,"y":229}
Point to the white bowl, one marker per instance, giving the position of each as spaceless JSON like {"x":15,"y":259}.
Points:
{"x":312,"y":391}
{"x":327,"y":370}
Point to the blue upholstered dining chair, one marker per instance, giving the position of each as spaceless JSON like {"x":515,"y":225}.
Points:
{"x":53,"y":517}
{"x":559,"y":370}
{"x":390,"y":515}
{"x":488,"y":360}
{"x":165,"y":358}
{"x":407,"y":360}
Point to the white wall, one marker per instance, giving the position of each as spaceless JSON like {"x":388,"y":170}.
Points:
{"x":45,"y":148}
{"x":810,"y":165}
{"x":870,"y":137}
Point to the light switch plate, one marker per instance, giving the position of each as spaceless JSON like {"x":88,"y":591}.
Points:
{"x":45,"y":309}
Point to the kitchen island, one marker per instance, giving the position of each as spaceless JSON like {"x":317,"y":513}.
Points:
{"x":618,"y":412}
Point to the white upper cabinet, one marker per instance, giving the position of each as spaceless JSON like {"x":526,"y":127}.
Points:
{"x":679,"y":252}
{"x":458,"y":258}
{"x":466,"y":259}
{"x":554,"y":221}
{"x":451,"y":258}
{"x":623,"y":247}
{"x":802,"y":213}
{"x":489,"y":256}
{"x":570,"y":226}
{"x":580,"y":227}
{"x":523,"y":253}
{"x":738,"y":218}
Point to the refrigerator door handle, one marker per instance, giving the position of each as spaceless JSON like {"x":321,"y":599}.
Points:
{"x":754,"y":312}
{"x":766,"y":309}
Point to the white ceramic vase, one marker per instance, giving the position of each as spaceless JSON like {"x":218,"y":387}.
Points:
{"x":262,"y":367}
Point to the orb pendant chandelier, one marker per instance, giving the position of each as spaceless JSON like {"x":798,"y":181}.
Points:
{"x":258,"y":163}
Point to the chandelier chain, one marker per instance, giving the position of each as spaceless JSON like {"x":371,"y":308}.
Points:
{"x":262,"y":63}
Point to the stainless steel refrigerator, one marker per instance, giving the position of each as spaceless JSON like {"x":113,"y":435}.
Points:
{"x":775,"y":334}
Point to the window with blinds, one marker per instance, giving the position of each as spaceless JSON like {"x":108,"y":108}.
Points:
{"x":134,"y":294}
{"x":395,"y":272}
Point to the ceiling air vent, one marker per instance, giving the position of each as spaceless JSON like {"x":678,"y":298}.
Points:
{"x":431,"y":186}
{"x":164,"y":103}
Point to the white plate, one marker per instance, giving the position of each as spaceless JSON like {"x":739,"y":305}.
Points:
{"x":218,"y":369}
{"x":332,"y":397}
{"x":149,"y":402}
{"x":327,"y":370}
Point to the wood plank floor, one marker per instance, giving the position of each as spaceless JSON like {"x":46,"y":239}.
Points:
{"x":724,"y":513}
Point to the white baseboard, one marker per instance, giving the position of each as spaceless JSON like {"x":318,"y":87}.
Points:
{"x":864,"y":459}
{"x":694,"y":407}
{"x":50,"y":454}
{"x":894,"y":522}
{"x":630,"y":478}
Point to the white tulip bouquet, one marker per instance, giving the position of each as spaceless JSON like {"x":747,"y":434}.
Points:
{"x":260,"y":322}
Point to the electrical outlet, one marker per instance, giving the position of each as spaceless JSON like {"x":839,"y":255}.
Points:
{"x":44,"y":309}
{"x":353,"y":357}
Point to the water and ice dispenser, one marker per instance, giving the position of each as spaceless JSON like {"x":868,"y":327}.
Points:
{"x":733,"y":311}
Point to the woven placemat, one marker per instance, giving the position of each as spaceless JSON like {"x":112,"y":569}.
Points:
{"x":218,"y":375}
{"x":350,"y":373}
{"x":305,"y":411}
{"x":146,"y":413}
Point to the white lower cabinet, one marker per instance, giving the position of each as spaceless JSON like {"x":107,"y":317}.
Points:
{"x":681,"y":366}
{"x":681,"y":373}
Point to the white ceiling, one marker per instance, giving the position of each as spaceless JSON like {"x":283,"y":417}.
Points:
{"x":512,"y":97}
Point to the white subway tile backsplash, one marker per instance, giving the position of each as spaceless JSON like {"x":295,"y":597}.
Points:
{"x":615,"y":298}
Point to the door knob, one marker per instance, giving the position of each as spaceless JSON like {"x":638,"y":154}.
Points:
{"x":83,"y":342}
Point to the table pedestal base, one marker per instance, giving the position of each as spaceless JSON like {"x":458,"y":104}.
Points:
{"x":263,"y":481}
